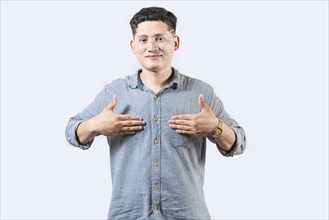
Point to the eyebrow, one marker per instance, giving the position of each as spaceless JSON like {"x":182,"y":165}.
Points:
{"x":156,"y":35}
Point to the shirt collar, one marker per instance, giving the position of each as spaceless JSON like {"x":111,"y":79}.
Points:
{"x":135,"y":82}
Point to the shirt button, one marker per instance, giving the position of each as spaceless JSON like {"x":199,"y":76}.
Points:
{"x":155,"y":119}
{"x":155,"y":164}
{"x":156,"y":207}
{"x":155,"y":141}
{"x":155,"y":98}
{"x":155,"y":186}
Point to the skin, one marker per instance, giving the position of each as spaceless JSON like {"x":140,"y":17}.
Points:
{"x":154,"y":46}
{"x":203,"y":124}
{"x":109,"y":123}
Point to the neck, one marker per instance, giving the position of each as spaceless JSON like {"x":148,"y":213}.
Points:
{"x":156,"y":80}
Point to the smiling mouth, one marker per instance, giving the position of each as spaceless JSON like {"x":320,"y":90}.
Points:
{"x":153,"y":56}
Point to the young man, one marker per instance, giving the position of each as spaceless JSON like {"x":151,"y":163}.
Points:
{"x":156,"y":122}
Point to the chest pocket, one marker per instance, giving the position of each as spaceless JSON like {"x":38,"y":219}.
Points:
{"x":181,"y":140}
{"x":186,"y":104}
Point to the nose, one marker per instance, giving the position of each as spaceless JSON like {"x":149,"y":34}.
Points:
{"x":153,"y":46}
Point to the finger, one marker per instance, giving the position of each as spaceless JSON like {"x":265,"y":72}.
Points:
{"x":131,"y":123}
{"x":130,"y":133}
{"x":112,"y":105}
{"x":132,"y":128}
{"x":180,"y":122}
{"x":180,"y":127}
{"x":184,"y":132}
{"x":202,"y":103}
{"x":183,"y":117}
{"x":129,"y":117}
{"x":127,"y":133}
{"x":129,"y":130}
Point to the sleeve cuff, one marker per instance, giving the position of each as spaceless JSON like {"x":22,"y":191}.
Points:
{"x":74,"y":140}
{"x":237,"y":147}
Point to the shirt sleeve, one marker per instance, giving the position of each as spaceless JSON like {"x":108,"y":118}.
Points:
{"x":93,"y":109}
{"x":218,"y":108}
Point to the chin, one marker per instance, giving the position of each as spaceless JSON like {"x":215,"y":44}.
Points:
{"x":152,"y":67}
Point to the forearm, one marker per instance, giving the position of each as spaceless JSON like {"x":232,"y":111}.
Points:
{"x":227,"y":138}
{"x":86,"y":131}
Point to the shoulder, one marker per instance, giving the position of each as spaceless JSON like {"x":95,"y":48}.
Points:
{"x":191,"y":82}
{"x":194,"y":87}
{"x":121,"y":83}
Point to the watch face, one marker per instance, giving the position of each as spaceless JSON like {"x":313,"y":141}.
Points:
{"x":218,"y":132}
{"x":219,"y":128}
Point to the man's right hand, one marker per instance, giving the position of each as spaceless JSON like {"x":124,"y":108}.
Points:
{"x":109,"y":123}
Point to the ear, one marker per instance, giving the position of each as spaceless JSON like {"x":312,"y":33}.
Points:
{"x":176,"y":42}
{"x":132,"y":46}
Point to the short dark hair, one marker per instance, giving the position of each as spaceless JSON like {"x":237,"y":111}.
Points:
{"x":153,"y":14}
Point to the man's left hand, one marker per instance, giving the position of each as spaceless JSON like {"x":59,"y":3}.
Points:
{"x":201,"y":124}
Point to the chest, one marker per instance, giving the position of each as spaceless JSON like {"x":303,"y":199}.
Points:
{"x":158,"y":108}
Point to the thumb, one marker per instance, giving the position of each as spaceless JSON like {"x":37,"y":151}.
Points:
{"x":202,"y":103}
{"x":112,"y":105}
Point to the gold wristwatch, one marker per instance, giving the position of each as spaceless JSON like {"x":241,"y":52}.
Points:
{"x":219,"y":129}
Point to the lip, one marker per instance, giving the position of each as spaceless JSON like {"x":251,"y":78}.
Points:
{"x":153,"y":57}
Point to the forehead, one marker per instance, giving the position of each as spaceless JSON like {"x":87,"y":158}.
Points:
{"x":150,"y":28}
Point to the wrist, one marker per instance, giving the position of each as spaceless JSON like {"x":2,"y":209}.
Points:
{"x":84,"y":132}
{"x":92,"y":125}
{"x":218,"y":129}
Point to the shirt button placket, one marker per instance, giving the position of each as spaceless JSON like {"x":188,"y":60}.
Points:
{"x":156,"y":156}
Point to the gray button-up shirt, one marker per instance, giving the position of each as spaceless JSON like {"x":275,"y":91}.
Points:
{"x":157,"y":173}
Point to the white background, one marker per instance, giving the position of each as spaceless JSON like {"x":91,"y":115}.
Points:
{"x":267,"y":60}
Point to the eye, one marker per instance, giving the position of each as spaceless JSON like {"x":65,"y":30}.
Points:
{"x":160,"y":39}
{"x":142,"y":40}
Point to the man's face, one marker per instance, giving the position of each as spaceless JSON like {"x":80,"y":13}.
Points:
{"x":154,"y":45}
